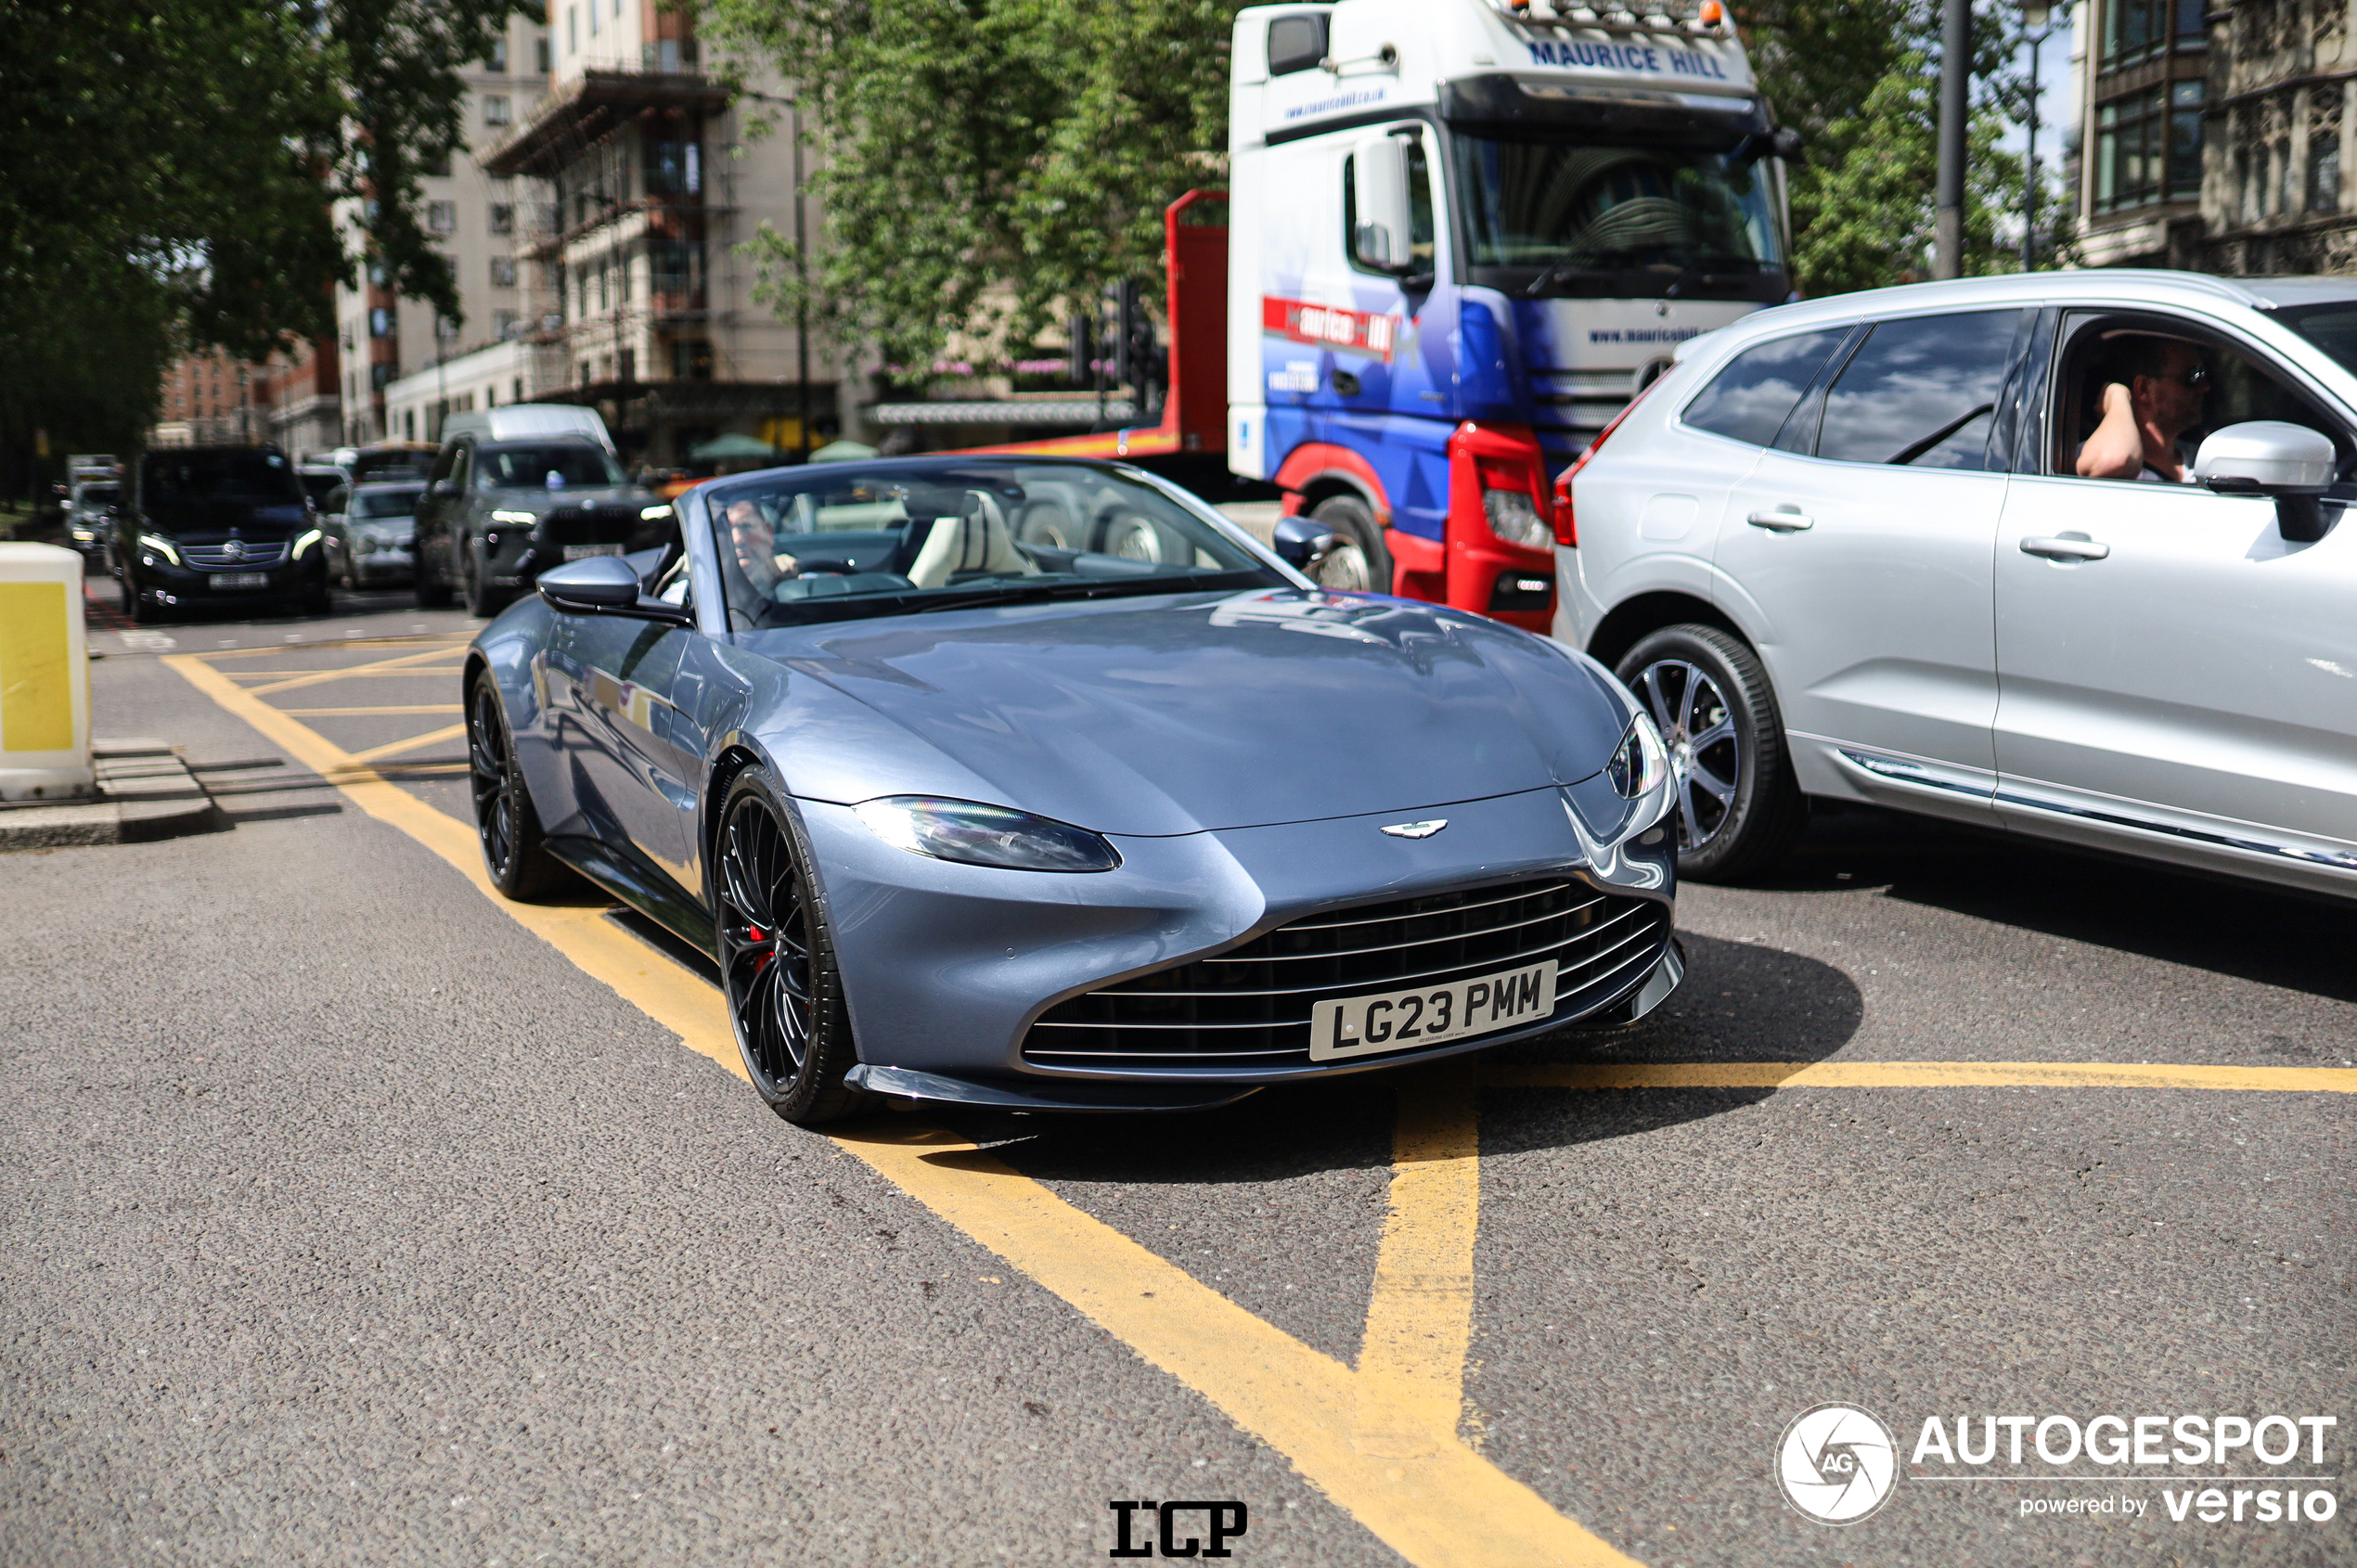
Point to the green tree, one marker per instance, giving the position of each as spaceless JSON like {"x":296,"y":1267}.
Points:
{"x":169,"y":180}
{"x":986,"y":160}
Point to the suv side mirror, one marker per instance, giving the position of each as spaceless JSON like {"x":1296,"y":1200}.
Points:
{"x":1379,"y":195}
{"x":2291,"y":463}
{"x":1301,"y":544}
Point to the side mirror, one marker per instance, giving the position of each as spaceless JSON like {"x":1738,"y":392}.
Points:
{"x":2291,"y":463}
{"x":1379,"y":195}
{"x":604,"y":585}
{"x":1301,"y":544}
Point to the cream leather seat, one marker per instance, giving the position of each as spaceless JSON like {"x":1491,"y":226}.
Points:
{"x":979,"y":540}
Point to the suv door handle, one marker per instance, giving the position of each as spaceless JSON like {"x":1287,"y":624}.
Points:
{"x":2066,"y":548}
{"x":1784,"y":519}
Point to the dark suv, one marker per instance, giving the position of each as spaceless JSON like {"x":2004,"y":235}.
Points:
{"x":497,"y":512}
{"x":218,"y":526}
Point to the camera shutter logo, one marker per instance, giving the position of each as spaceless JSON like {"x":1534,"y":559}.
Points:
{"x":1836,"y":1463}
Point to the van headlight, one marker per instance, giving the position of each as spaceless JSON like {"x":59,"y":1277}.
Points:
{"x":160,"y":545}
{"x":974,"y":834}
{"x":310,"y":537}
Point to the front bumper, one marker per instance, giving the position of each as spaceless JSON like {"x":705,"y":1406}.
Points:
{"x":948,"y":966}
{"x":159,"y":582}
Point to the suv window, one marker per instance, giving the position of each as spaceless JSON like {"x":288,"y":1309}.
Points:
{"x":1922,"y":391}
{"x":1752,"y":397}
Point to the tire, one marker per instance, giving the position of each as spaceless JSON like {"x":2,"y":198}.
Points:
{"x":1359,"y":562}
{"x":1738,"y":806}
{"x":514,"y":848}
{"x":320,"y":601}
{"x":482,"y":600}
{"x":433,"y":592}
{"x":132,"y":605}
{"x":777,"y":959}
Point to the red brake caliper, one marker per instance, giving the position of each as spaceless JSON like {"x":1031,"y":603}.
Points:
{"x":763,"y":963}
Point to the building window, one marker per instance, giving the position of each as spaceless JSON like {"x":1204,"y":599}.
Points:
{"x":445,"y":328}
{"x":573,"y":30}
{"x":441,"y":216}
{"x":2148,"y":147}
{"x":503,"y":272}
{"x":593,"y":19}
{"x":692,"y":360}
{"x":503,"y":324}
{"x":2324,"y":173}
{"x":540,"y":55}
{"x":2135,"y":30}
{"x":495,"y":61}
{"x":381,"y":321}
{"x":503,"y":217}
{"x":495,"y":108}
{"x":517,"y":395}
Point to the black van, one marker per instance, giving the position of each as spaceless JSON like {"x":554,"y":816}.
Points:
{"x":218,"y":526}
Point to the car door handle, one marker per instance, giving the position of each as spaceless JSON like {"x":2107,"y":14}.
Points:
{"x":2065,"y":548}
{"x":1784,"y":519}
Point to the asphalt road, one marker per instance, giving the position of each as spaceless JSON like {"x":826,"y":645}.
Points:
{"x":348,"y":1220}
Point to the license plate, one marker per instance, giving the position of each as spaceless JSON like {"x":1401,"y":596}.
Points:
{"x":241,"y":579}
{"x":583,"y":552}
{"x":1431,"y":1015}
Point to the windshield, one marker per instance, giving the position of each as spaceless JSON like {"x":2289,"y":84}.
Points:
{"x":549,"y":466}
{"x":384,"y":503}
{"x":100,"y":495}
{"x":1569,"y":219}
{"x":319,"y":484}
{"x":848,"y":539}
{"x":2331,"y":327}
{"x":198,"y":486}
{"x":392,"y":465}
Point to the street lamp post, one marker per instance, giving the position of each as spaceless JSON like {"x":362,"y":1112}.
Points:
{"x":2037,"y":18}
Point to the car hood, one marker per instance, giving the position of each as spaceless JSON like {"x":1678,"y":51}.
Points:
{"x":539,"y":498}
{"x":1177,"y":714}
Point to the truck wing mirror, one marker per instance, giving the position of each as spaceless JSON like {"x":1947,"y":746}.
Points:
{"x":1379,"y":195}
{"x":2290,"y":463}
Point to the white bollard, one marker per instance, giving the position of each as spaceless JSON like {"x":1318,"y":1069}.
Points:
{"x":44,"y":676}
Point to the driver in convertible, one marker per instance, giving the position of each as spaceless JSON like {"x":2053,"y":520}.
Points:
{"x":756,"y":545}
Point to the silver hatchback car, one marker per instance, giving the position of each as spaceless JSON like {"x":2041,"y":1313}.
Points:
{"x":2061,"y":553}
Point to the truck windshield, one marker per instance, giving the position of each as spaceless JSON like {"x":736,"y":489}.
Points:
{"x":1611,"y":222}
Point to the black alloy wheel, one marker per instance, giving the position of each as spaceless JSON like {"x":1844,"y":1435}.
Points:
{"x":777,"y":961}
{"x":1358,"y":563}
{"x":132,"y":605}
{"x":1736,"y":806}
{"x":514,"y":848}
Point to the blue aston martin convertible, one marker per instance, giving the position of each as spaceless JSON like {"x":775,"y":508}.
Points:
{"x":1037,"y":783}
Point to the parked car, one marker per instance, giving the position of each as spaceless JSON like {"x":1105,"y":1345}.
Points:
{"x":90,"y":513}
{"x":497,"y":512}
{"x":320,"y":482}
{"x":1844,"y":550}
{"x":390,"y":461}
{"x":218,"y":527}
{"x":372,"y":533}
{"x":968,"y":819}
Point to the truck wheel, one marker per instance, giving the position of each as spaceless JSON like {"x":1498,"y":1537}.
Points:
{"x":1737,"y":807}
{"x":433,"y":592}
{"x":1359,"y":562}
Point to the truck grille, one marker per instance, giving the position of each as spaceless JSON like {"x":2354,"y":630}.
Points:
{"x":1250,"y":1007}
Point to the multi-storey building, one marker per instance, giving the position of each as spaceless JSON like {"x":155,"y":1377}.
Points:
{"x":639,"y":298}
{"x":473,"y":216}
{"x":2215,"y":134}
{"x":209,"y":399}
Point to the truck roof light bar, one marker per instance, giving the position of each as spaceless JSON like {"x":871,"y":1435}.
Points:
{"x":1678,"y":15}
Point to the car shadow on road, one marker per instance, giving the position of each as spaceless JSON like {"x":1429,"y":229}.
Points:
{"x":1740,"y":1002}
{"x":2245,"y":931}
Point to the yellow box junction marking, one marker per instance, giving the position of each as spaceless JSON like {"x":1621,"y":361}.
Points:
{"x":1380,"y":1441}
{"x":36,"y":675}
{"x":415,"y":743}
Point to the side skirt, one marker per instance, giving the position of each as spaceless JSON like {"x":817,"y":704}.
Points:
{"x":644,"y":889}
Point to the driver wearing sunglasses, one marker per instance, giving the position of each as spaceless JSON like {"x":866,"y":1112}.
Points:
{"x":2152,"y":393}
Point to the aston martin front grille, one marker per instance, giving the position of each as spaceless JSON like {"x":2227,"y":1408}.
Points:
{"x":1250,"y":1007}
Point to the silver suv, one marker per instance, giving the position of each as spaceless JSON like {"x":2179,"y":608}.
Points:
{"x":1845,"y":549}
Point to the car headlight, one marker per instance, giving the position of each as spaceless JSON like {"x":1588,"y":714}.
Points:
{"x":1513,"y":517}
{"x":649,"y":514}
{"x":984,"y":835}
{"x":527,"y":518}
{"x":310,"y":537}
{"x":161,"y":546}
{"x":1640,"y":762}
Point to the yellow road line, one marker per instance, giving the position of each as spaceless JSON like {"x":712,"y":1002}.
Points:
{"x":368,"y":669}
{"x":1411,"y":1358}
{"x":1444,"y":1508}
{"x":321,"y":677}
{"x":656,"y":986}
{"x":282,"y":650}
{"x":1924,"y":1075}
{"x":395,"y":708}
{"x":415,"y":743}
